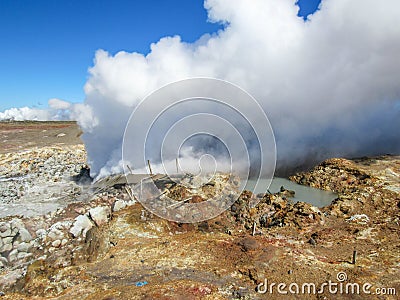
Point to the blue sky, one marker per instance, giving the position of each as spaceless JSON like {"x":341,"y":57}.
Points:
{"x":47,"y":46}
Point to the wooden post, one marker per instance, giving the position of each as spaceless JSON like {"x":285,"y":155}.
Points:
{"x":129,"y":168}
{"x":354,"y":257}
{"x":254,"y":228}
{"x":151,"y":172}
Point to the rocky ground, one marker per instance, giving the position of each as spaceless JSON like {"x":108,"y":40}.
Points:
{"x":99,"y":243}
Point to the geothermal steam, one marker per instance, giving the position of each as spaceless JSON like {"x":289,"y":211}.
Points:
{"x":330,"y":85}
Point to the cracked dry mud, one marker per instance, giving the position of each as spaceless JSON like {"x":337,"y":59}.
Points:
{"x":125,"y":252}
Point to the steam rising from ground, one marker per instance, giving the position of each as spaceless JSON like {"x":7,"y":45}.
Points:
{"x":330,"y":85}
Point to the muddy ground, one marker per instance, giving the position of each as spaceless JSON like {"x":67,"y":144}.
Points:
{"x":109,"y":247}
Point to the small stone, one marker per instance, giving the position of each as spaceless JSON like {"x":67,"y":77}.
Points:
{"x":100,"y":215}
{"x":17,"y":224}
{"x":55,"y":234}
{"x":40,"y":233}
{"x":56,"y":243}
{"x":61,"y":134}
{"x":312,"y":241}
{"x":22,"y":255}
{"x":7,"y":244}
{"x":24,"y":235}
{"x":5,"y":230}
{"x":64,"y":242}
{"x":80,"y":210}
{"x":23,"y":247}
{"x":13,"y":255}
{"x":118,"y":205}
{"x":3,"y":261}
{"x":130,"y":203}
{"x":4,"y":226}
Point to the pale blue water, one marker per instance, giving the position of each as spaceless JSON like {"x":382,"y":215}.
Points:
{"x":304,"y":193}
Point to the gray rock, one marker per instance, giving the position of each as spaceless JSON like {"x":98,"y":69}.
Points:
{"x":40,"y":233}
{"x":81,"y":226}
{"x":15,"y":244}
{"x":24,"y":235}
{"x":22,"y":255}
{"x":7,"y":244}
{"x":5,"y":229}
{"x":3,"y":261}
{"x":17,"y":224}
{"x":13,"y":255}
{"x":100,"y":215}
{"x":23,"y":247}
{"x":118,"y":205}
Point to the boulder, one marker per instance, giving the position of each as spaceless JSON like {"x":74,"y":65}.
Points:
{"x":24,"y":235}
{"x":100,"y":215}
{"x":81,"y":226}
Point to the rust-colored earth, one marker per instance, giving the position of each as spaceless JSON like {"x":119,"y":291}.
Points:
{"x":137,"y":255}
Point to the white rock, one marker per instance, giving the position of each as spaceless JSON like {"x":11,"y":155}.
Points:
{"x":24,"y":235}
{"x":118,"y":205}
{"x":130,"y":202}
{"x":56,"y":243}
{"x":55,"y":234}
{"x":81,"y":226}
{"x":34,"y":243}
{"x":64,"y":242}
{"x":40,"y":233}
{"x":100,"y":215}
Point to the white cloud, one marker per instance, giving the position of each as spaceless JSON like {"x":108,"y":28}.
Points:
{"x":56,"y":103}
{"x":25,"y":113}
{"x":59,"y":110}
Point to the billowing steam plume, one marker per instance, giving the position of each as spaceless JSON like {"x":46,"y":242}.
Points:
{"x":330,"y":86}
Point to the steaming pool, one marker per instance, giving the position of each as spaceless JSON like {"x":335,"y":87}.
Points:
{"x":316,"y":197}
